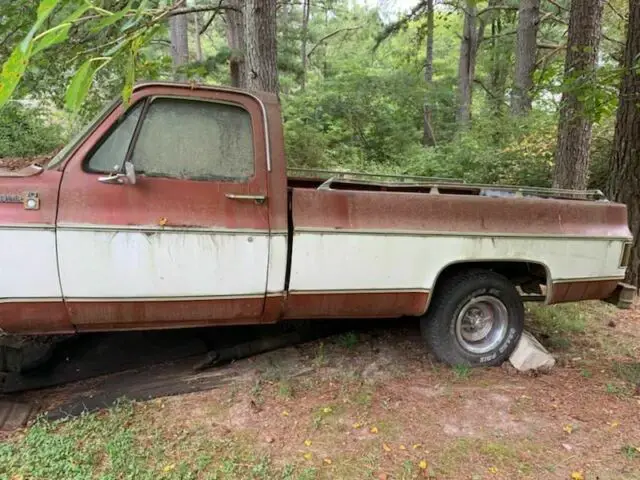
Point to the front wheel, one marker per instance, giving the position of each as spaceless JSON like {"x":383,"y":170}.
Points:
{"x":475,"y":319}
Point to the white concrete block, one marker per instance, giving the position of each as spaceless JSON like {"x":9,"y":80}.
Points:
{"x":531,"y":355}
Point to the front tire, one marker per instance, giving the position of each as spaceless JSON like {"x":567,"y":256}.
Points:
{"x":475,"y":319}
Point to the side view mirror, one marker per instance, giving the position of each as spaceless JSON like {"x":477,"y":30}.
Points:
{"x":130,"y":172}
{"x":129,"y":176}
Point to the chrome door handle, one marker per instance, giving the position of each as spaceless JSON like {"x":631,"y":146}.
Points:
{"x":259,"y":199}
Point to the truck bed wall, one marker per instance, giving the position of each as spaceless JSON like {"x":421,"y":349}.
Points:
{"x":373,"y":252}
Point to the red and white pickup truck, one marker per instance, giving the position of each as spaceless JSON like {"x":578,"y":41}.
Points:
{"x":177,"y":211}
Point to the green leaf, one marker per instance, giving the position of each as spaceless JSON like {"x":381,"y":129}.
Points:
{"x":135,"y":20}
{"x":59,"y":33}
{"x":81,"y":83}
{"x":44,"y":10}
{"x":12,"y":72}
{"x":52,"y":37}
{"x":111,"y":19}
{"x":116,"y":48}
{"x":130,"y":75}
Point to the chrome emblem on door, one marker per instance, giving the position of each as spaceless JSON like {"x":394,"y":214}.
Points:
{"x":30,"y":200}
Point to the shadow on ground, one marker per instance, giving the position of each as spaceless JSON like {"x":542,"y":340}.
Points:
{"x":92,"y":371}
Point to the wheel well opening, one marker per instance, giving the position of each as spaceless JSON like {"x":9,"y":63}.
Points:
{"x":530,"y":278}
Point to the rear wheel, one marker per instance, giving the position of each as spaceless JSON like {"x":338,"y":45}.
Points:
{"x":475,"y":319}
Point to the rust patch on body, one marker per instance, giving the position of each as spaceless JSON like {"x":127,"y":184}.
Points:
{"x":356,"y":304}
{"x":170,"y":313}
{"x":34,"y":317}
{"x":407,"y":212}
{"x":581,"y":290}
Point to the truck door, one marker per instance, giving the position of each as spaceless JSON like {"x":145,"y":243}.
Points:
{"x":188,"y":243}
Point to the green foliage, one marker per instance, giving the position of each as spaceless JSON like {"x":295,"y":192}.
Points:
{"x":12,"y":72}
{"x":461,"y":372}
{"x":358,"y":117}
{"x":81,"y":82}
{"x":629,"y":372}
{"x":507,"y":152}
{"x":25,"y":132}
{"x":348,"y":340}
{"x":114,"y":34}
{"x":126,"y":443}
{"x":361,"y":105}
{"x":630,"y":452}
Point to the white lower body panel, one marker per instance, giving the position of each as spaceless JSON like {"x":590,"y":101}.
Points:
{"x":28,"y":264}
{"x":324,"y":261}
{"x":161,"y":264}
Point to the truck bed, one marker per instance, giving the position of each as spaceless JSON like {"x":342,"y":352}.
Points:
{"x":338,"y":180}
{"x":359,"y":237}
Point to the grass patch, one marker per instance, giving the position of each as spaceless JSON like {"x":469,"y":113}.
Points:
{"x":569,"y":318}
{"x":285,"y":390}
{"x":325,"y":416}
{"x":560,"y":327}
{"x":630,"y":452}
{"x":461,"y":372}
{"x":320,"y":359}
{"x":629,"y":372}
{"x":348,"y":340}
{"x":586,"y":373}
{"x":484,"y":454}
{"x":309,"y":473}
{"x":130,"y":441}
{"x":617,"y":390}
{"x":364,"y":396}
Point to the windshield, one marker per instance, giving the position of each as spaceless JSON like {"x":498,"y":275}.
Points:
{"x":62,"y":154}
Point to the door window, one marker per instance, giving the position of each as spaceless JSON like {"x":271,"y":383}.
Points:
{"x":187,"y":139}
{"x":110,"y":154}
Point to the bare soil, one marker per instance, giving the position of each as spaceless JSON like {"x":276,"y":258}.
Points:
{"x":377,"y":405}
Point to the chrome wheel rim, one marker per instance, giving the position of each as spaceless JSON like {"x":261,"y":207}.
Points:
{"x":482,"y":324}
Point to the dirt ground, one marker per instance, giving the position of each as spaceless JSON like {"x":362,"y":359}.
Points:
{"x":375,"y":404}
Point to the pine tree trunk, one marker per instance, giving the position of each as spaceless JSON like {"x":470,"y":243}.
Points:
{"x":428,"y":137}
{"x":574,"y":128}
{"x":624,"y":180}
{"x":196,"y":27}
{"x":178,"y":26}
{"x":260,"y":42}
{"x":235,"y":40}
{"x":527,"y":34}
{"x":304,"y":34}
{"x":499,"y":61}
{"x":471,"y":36}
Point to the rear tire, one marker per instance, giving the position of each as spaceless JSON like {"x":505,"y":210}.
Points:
{"x":475,"y":319}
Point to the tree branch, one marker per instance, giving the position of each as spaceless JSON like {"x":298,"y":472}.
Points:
{"x":483,"y":11}
{"x":211,"y":19}
{"x":11,"y":34}
{"x":613,"y":40}
{"x":558,"y":6}
{"x":553,"y":17}
{"x":496,"y":7}
{"x":489,"y":92}
{"x":615,"y":10}
{"x":544,"y":59}
{"x":397,"y":26}
{"x":505,"y":34}
{"x":551,"y":46}
{"x":202,"y":8}
{"x":332,"y":34}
